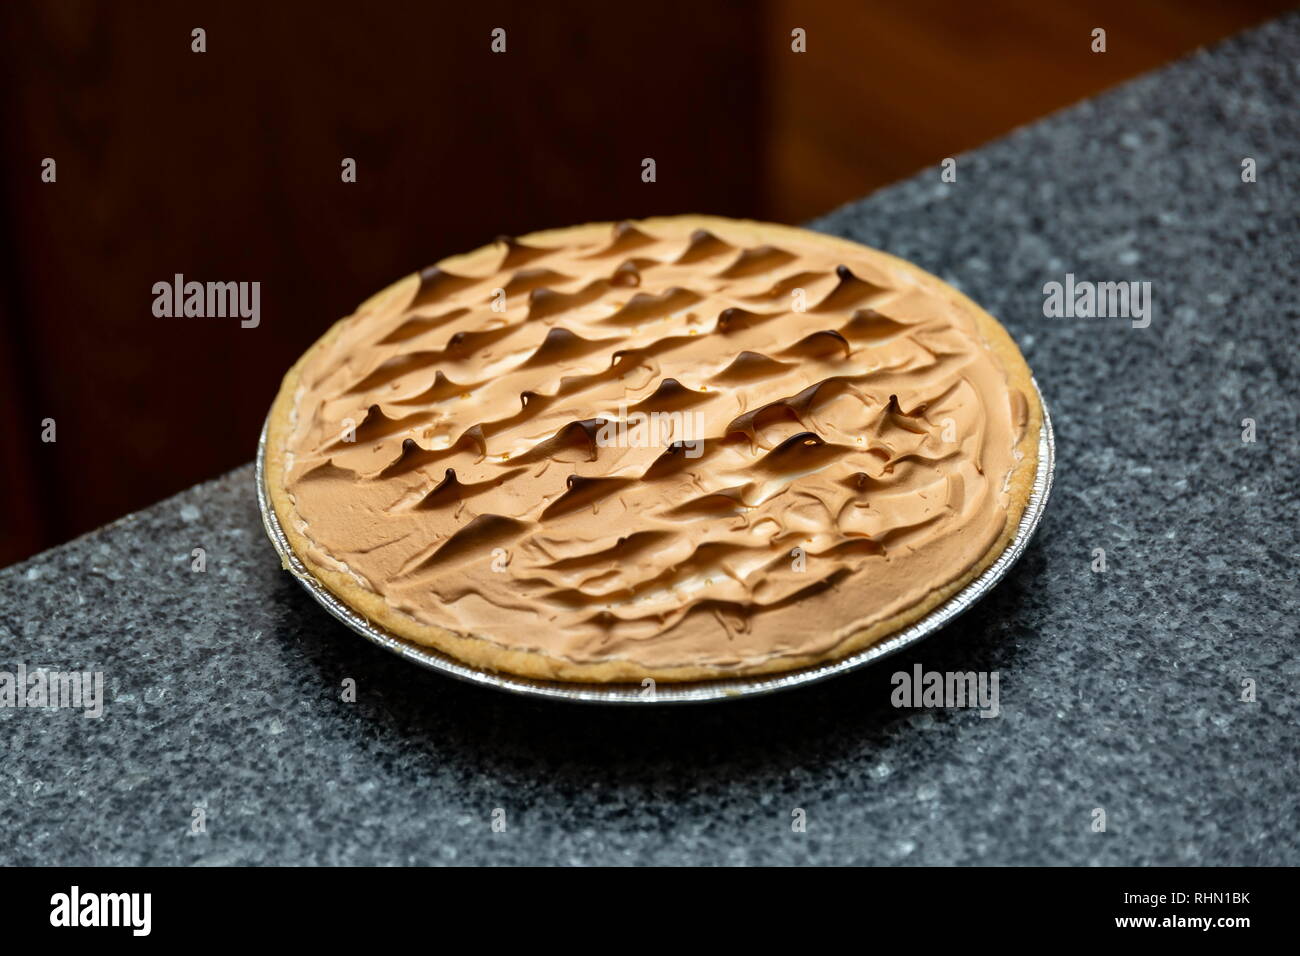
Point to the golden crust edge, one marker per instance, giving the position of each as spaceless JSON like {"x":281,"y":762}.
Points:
{"x":485,"y":654}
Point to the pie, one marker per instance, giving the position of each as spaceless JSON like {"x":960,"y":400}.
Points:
{"x":683,"y":448}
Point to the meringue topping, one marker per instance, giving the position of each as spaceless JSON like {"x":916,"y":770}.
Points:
{"x":472,"y":445}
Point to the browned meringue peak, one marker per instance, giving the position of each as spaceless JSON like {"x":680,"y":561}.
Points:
{"x":626,"y":238}
{"x":670,"y":394}
{"x":526,"y":280}
{"x":442,"y":388}
{"x":543,"y":303}
{"x":480,"y":495}
{"x":517,"y":253}
{"x":420,"y":324}
{"x":748,"y":366}
{"x":413,"y":457}
{"x":703,"y":245}
{"x":761,"y":260}
{"x":452,"y":491}
{"x":437,"y":285}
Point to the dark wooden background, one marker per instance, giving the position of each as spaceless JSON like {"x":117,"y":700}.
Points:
{"x":225,"y":166}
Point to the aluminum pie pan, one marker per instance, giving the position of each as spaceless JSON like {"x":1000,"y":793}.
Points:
{"x":685,"y":692}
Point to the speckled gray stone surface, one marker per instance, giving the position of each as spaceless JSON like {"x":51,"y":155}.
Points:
{"x":1119,"y":690}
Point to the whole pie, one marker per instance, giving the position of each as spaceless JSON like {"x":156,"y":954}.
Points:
{"x":681,"y":448}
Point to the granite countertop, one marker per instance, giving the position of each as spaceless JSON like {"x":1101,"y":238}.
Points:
{"x":1119,"y":690}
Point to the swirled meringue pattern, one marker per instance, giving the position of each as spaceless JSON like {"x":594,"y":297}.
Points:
{"x":681,"y":448}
